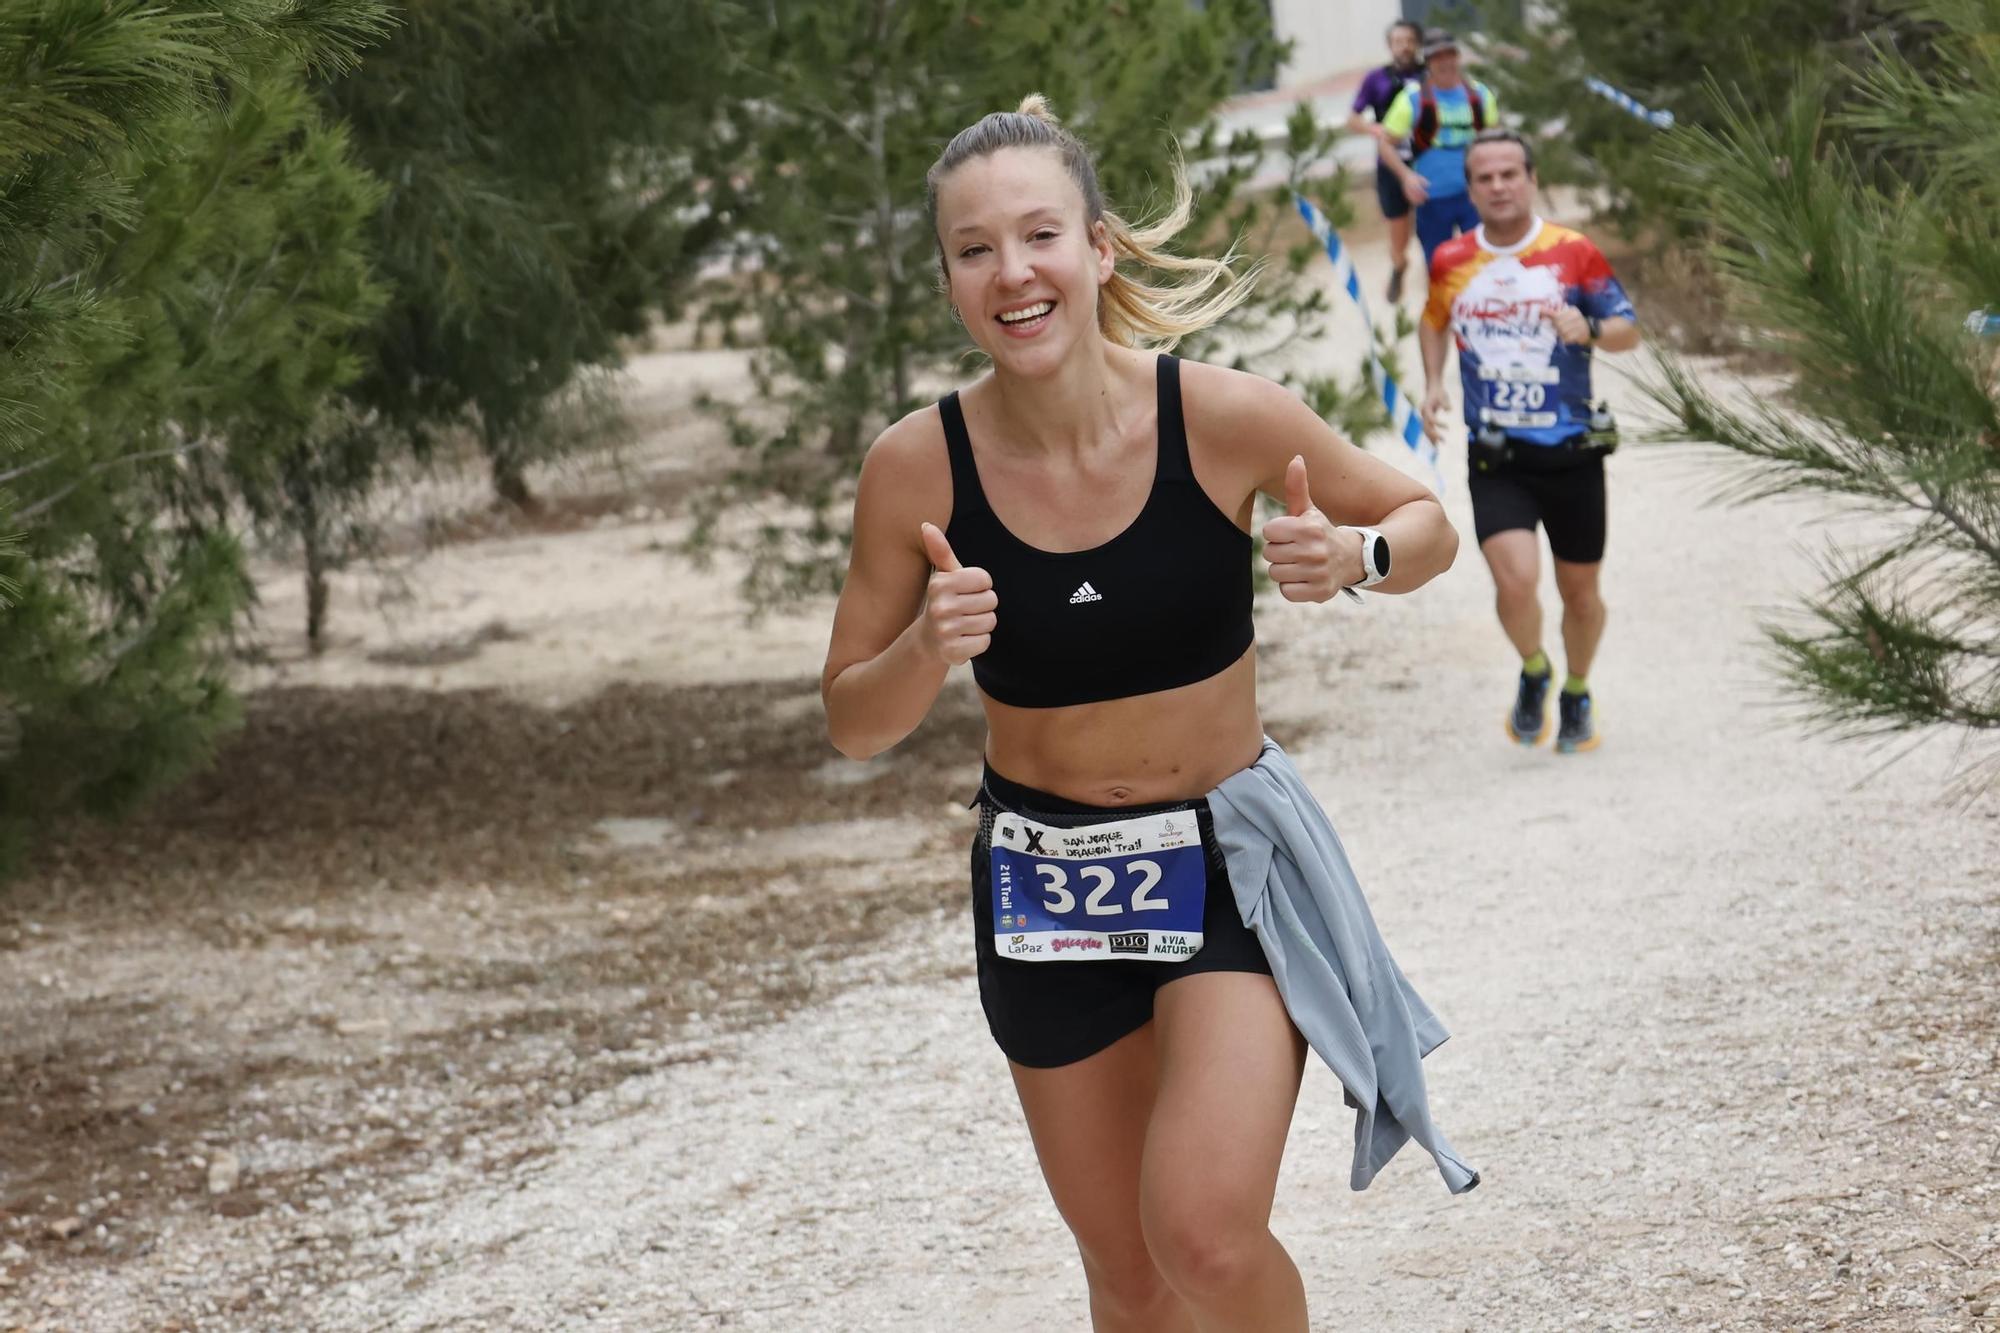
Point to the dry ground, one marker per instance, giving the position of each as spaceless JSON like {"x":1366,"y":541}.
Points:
{"x":529,"y":962}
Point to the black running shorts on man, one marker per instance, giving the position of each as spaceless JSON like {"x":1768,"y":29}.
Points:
{"x":1562,"y":491}
{"x":1045,"y":1014}
{"x":1389,"y":194}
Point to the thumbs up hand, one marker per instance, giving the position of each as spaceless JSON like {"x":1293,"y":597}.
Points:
{"x":959,"y":603}
{"x":1310,"y":559}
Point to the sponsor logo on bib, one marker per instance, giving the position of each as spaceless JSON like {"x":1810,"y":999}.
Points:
{"x":1129,"y":942}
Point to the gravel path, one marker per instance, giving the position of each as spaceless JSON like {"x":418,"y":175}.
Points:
{"x":1704,"y":980}
{"x":1723,"y":996}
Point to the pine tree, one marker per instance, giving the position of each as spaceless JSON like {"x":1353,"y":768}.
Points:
{"x":540,"y":158}
{"x":837,"y":277}
{"x":1862,"y":275}
{"x":182,"y":277}
{"x":1662,"y":53}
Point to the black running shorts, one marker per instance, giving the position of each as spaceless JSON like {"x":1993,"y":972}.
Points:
{"x":1048,"y":1014}
{"x":1565,"y":495}
{"x":1389,"y":194}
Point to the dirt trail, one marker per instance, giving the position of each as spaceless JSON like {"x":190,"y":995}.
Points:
{"x":685,"y":1037}
{"x":1702,"y":1054}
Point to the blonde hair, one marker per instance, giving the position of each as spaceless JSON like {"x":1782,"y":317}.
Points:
{"x":1130,"y":311}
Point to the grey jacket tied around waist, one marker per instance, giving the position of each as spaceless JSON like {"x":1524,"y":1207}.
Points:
{"x":1296,"y":891}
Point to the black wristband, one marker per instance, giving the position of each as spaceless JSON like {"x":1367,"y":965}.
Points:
{"x":1595,"y":325}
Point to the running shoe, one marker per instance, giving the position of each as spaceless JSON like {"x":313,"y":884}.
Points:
{"x":1529,"y":722}
{"x":1395,"y":285}
{"x":1579,"y":729}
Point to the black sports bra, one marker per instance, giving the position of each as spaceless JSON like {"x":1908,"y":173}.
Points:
{"x":1163,"y":604}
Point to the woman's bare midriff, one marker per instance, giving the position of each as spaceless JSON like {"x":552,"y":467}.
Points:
{"x":1167,"y":746}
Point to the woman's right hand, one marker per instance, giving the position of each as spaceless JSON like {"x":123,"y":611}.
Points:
{"x":1415,"y":188}
{"x":958,"y":604}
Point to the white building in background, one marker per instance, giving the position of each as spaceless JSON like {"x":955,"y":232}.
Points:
{"x":1331,"y":37}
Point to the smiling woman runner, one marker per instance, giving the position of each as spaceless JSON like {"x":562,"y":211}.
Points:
{"x":1160,"y":908}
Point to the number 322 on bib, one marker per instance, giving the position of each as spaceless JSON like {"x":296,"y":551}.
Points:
{"x":1131,"y":889}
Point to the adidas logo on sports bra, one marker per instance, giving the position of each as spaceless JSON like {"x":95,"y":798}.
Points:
{"x":1085,"y":594}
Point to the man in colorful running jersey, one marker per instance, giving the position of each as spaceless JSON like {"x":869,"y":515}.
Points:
{"x":1431,"y":123}
{"x":1528,"y":302}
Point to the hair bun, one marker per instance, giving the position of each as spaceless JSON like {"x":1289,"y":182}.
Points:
{"x":1036,"y":106}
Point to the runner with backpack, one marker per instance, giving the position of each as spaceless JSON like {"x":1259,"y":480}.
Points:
{"x":1435,"y":121}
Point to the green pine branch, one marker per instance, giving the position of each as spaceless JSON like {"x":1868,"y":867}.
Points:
{"x":1836,"y":236}
{"x":1875,"y":658}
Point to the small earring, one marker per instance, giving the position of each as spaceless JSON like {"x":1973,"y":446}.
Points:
{"x":955,"y":315}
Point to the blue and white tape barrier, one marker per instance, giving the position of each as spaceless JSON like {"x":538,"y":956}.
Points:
{"x":1983,"y":323}
{"x":1402,"y":412}
{"x":1659,"y":120}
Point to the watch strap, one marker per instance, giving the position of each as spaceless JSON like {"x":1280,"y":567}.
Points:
{"x":1372,"y":571}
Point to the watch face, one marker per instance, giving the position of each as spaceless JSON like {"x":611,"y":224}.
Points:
{"x":1381,"y":553}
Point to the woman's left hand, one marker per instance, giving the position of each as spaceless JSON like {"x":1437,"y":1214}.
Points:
{"x":1311,"y":560}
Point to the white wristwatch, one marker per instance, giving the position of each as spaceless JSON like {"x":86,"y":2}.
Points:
{"x":1374,"y":559}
